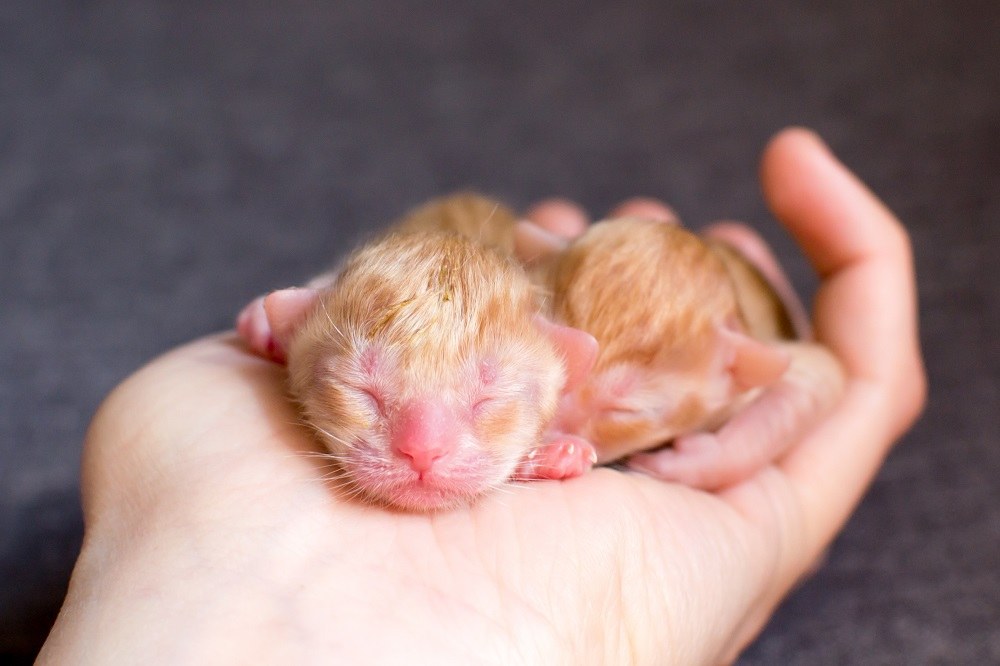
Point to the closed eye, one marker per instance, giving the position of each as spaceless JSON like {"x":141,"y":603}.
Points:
{"x":375,"y":402}
{"x":482,"y":404}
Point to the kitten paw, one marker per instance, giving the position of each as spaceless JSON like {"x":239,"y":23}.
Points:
{"x":558,"y":457}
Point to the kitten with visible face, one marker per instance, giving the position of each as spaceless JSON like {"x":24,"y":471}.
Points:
{"x":424,"y":362}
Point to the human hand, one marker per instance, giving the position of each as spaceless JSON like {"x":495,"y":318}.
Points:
{"x":212,"y":535}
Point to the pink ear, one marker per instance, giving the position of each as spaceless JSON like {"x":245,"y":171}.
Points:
{"x":286,"y":309}
{"x":578,"y":349}
{"x":754,"y":363}
{"x":531,"y":242}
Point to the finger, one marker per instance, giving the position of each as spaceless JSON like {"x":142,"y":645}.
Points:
{"x":831,"y":213}
{"x":645,"y":207}
{"x":865,"y":309}
{"x":698,"y":460}
{"x":560,"y":216}
{"x":866,"y":305}
{"x":253,"y":327}
{"x":532,"y":243}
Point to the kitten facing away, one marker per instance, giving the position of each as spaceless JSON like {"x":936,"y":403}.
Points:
{"x":699,"y":348}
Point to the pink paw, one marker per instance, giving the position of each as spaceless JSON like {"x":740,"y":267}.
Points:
{"x":253,"y":327}
{"x":560,"y":457}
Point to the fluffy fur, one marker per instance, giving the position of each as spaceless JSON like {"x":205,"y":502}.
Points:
{"x":660,"y":301}
{"x":429,"y":312}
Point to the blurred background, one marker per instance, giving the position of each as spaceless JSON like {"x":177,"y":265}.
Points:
{"x":162,"y":162}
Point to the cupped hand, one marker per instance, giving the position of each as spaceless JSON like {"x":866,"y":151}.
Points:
{"x":214,"y":536}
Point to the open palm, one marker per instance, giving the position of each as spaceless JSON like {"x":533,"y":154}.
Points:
{"x":214,"y":535}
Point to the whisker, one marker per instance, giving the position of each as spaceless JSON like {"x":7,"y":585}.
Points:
{"x":329,"y":318}
{"x":333,"y":438}
{"x":489,"y":218}
{"x":314,"y":454}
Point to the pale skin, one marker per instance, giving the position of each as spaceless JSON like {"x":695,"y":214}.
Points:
{"x":211,"y":536}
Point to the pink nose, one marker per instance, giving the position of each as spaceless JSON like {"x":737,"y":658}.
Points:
{"x":424,"y":431}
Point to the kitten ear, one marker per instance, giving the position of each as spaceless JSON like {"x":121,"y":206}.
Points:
{"x":577,"y":348}
{"x":286,"y":309}
{"x":533,"y":243}
{"x":753,"y":363}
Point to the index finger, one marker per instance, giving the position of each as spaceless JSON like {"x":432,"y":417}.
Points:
{"x":561,"y":217}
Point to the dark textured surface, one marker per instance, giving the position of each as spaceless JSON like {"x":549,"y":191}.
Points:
{"x":162,"y":162}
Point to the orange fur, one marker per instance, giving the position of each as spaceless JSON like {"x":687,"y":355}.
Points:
{"x":480,"y":218}
{"x":394,"y":293}
{"x":609,"y":432}
{"x":430,"y":302}
{"x":655,"y":296}
{"x":648,"y":291}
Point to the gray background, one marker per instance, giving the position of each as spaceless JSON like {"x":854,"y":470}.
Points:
{"x":161,"y":162}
